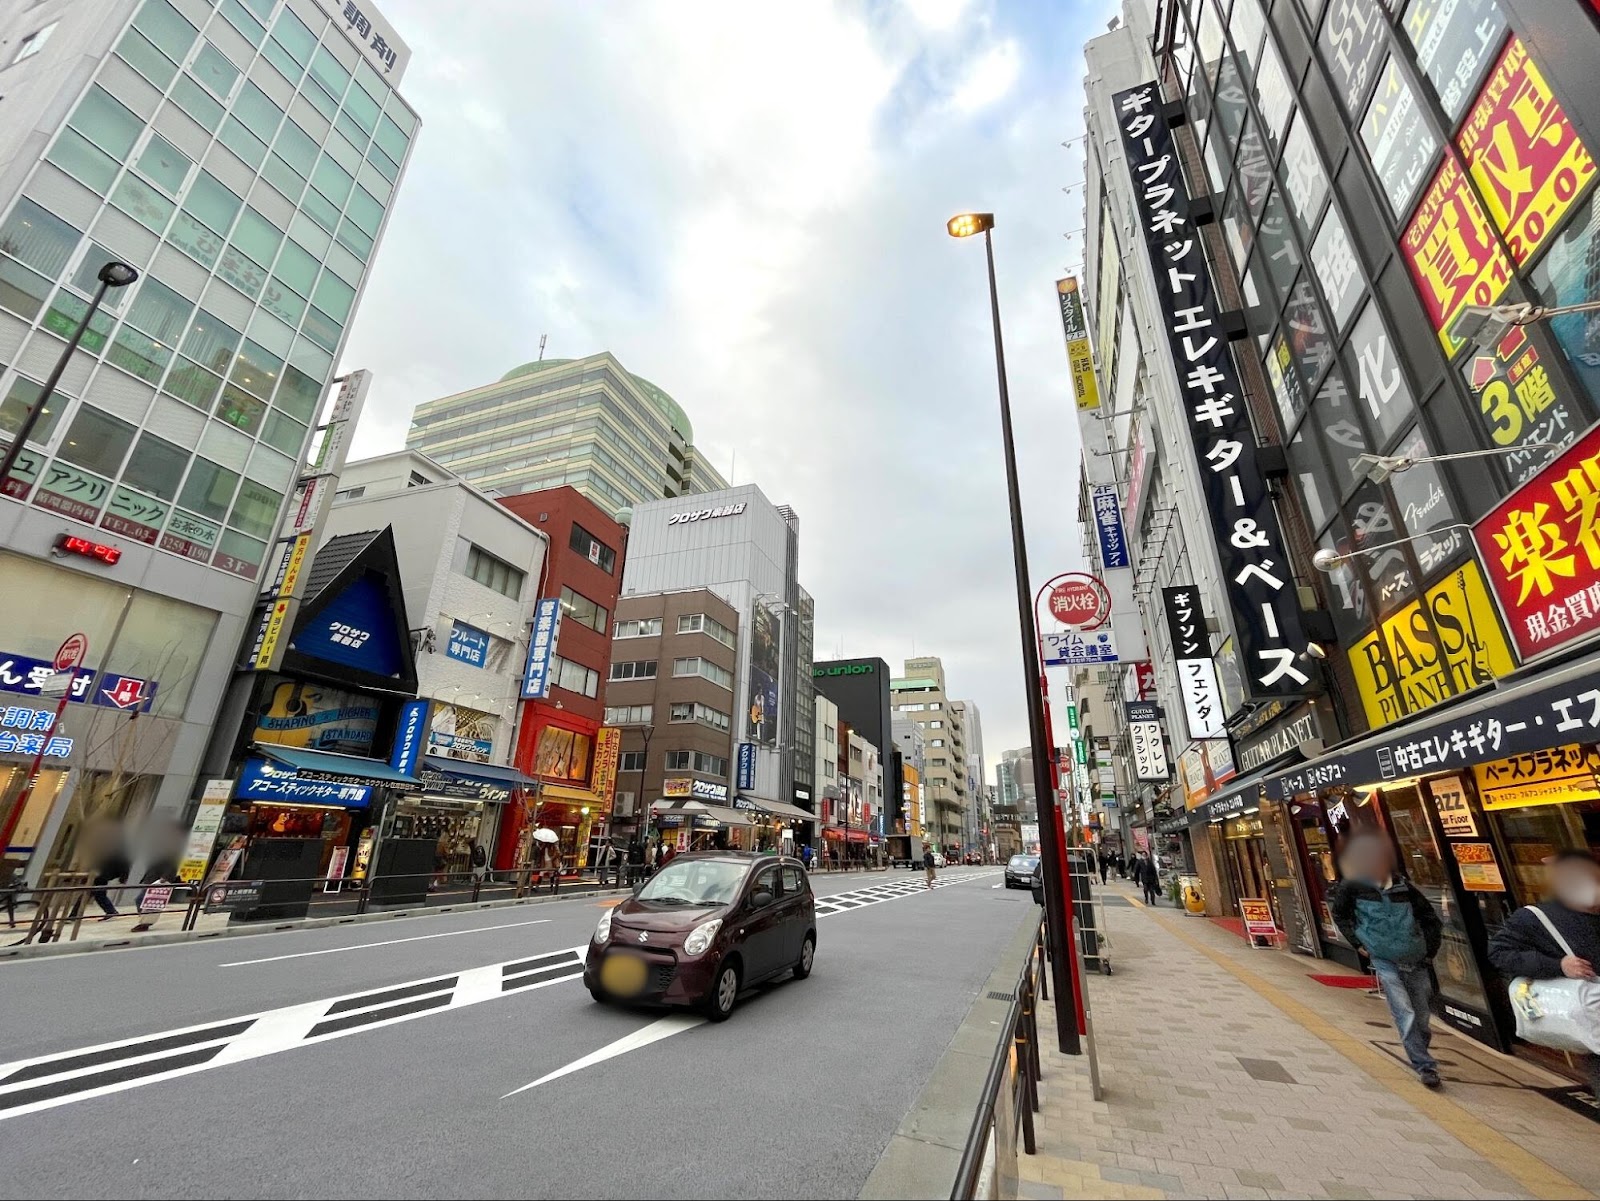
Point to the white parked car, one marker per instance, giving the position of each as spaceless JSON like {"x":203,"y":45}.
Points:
{"x":938,"y":859}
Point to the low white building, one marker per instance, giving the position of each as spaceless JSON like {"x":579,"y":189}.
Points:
{"x":471,"y":572}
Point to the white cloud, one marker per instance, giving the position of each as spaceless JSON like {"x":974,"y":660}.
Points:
{"x":746,"y":204}
{"x":989,"y":78}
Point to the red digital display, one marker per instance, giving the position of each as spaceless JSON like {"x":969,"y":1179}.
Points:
{"x":73,"y":545}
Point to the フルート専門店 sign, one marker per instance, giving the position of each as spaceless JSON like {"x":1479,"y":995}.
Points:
{"x":1541,"y":551}
{"x":1080,"y":359}
{"x":1250,"y":546}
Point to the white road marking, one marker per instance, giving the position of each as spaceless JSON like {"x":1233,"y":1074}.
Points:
{"x":266,"y":1033}
{"x":665,"y":1027}
{"x":388,"y":942}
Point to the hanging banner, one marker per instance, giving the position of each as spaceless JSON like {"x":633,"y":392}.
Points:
{"x":545,"y":630}
{"x":1144,"y":734}
{"x":1197,"y":673}
{"x":1080,"y":359}
{"x":1250,"y":546}
{"x":1107,"y":511}
{"x":607,"y":754}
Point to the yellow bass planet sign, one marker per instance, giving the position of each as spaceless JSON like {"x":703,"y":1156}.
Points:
{"x":1442,"y":644}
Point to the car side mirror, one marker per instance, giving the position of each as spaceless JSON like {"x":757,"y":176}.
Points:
{"x":760,"y":899}
{"x":638,"y":888}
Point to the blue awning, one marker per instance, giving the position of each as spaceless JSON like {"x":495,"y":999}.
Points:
{"x":443,"y":776}
{"x":335,"y":768}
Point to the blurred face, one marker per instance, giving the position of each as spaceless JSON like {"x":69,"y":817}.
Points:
{"x":1576,"y":884}
{"x":1369,"y":858}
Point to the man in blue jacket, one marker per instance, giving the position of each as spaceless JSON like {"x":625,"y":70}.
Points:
{"x":1386,"y":918}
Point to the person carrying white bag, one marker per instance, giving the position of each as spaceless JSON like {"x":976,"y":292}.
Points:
{"x":1549,"y":953}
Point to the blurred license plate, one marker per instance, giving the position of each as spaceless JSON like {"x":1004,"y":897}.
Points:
{"x":623,"y":975}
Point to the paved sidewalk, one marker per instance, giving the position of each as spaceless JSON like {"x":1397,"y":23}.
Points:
{"x":1229,"y":1073}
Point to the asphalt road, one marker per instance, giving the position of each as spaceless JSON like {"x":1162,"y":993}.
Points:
{"x":460,"y":1056}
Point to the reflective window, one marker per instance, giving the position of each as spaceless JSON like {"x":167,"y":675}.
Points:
{"x":1382,"y":385}
{"x":214,"y":69}
{"x":325,"y":69}
{"x":198,"y":103}
{"x":1334,"y":260}
{"x":1338,"y":428}
{"x":75,"y":155}
{"x":163,"y":165}
{"x":1274,"y":96}
{"x":1307,"y":333}
{"x":1398,"y":138}
{"x":1314,"y":485}
{"x":96,"y":441}
{"x":297,"y":148}
{"x":236,"y":15}
{"x":1420,"y":496}
{"x":20,"y":397}
{"x":1245,"y":27}
{"x":298,"y":394}
{"x":38,"y":238}
{"x":257,"y":236}
{"x":159,"y":311}
{"x":294,"y":37}
{"x":1454,"y":41}
{"x":166,"y":28}
{"x":106,"y":122}
{"x":211,"y":342}
{"x":143,"y":203}
{"x":156,"y":466}
{"x":257,"y":111}
{"x":1277,"y":246}
{"x":243,"y":143}
{"x":1351,"y":41}
{"x":256,"y":510}
{"x":1388,"y":571}
{"x":1253,"y":167}
{"x":209,"y":489}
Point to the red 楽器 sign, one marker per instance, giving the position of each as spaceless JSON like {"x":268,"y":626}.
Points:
{"x":1541,"y":551}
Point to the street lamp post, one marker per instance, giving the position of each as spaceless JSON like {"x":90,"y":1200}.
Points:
{"x":112,"y":275}
{"x":1050,"y":847}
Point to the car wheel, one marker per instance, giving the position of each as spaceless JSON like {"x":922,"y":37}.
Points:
{"x":808,"y":951}
{"x":724,"y":993}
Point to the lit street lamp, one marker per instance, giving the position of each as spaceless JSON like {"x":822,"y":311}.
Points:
{"x":1050,"y":847}
{"x":112,"y":275}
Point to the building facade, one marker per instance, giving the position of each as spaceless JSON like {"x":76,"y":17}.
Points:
{"x":921,"y":695}
{"x":1353,"y":186}
{"x":469,"y":621}
{"x":859,"y":689}
{"x":744,"y":548}
{"x":560,"y":723}
{"x":676,"y":717}
{"x":243,"y":160}
{"x":584,"y":423}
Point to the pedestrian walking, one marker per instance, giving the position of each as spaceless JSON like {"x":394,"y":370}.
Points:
{"x":635,"y":862}
{"x":1122,"y":866}
{"x":1559,"y":938}
{"x":1105,"y":865}
{"x":1149,"y":878}
{"x":805,"y":855}
{"x":602,"y":862}
{"x":1386,"y":917}
{"x":927,"y":864}
{"x":112,"y":867}
{"x":480,"y":864}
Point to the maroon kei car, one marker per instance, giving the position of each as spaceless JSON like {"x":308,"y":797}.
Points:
{"x":703,"y":929}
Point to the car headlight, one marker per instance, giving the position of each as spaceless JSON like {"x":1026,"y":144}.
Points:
{"x":602,"y":932}
{"x":700,"y":937}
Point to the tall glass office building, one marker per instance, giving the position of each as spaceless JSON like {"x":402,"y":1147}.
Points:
{"x":243,"y":156}
{"x":613,"y":435}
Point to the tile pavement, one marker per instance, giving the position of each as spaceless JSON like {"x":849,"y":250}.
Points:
{"x":1191,"y":1110}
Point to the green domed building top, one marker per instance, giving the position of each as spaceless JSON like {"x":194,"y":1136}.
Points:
{"x":669,"y":408}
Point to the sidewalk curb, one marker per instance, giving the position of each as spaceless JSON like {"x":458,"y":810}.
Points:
{"x":924,"y":1153}
{"x":171,"y":937}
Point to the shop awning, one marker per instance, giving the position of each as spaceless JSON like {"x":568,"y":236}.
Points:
{"x":1552,"y":709}
{"x":463,"y":780}
{"x":336,"y":769}
{"x":569,"y":795}
{"x":774,"y":808}
{"x":698,"y":809}
{"x":1232,"y":799}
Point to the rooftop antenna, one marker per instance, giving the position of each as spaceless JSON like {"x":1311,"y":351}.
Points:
{"x":543,"y":338}
{"x":733,"y":464}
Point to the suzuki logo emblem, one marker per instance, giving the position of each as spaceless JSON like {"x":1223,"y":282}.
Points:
{"x":644,"y":936}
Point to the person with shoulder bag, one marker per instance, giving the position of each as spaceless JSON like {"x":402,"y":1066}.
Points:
{"x":1548,"y":953}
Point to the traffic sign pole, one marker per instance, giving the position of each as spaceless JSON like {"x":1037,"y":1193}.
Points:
{"x":69,"y":658}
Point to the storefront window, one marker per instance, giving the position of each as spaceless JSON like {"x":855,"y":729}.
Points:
{"x":562,"y":754}
{"x":1455,"y":965}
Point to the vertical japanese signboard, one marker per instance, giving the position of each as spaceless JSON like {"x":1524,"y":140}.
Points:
{"x":1080,"y":359}
{"x":1144,"y":734}
{"x":1521,"y":402}
{"x":1197,"y":674}
{"x":607,"y":754}
{"x":1250,"y":546}
{"x":1541,"y":551}
{"x":1523,"y":152}
{"x":1108,"y":525}
{"x":541,"y":649}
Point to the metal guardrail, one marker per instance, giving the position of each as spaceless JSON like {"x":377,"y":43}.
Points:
{"x":1010,"y":1095}
{"x":60,"y":910}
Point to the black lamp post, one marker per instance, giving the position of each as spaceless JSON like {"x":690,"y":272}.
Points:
{"x":112,"y":275}
{"x":964,"y":226}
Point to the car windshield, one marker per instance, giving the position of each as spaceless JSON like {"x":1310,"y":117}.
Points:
{"x":695,"y":882}
{"x":1024,"y":863}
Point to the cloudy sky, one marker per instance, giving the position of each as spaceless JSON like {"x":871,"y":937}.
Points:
{"x":746,"y":204}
